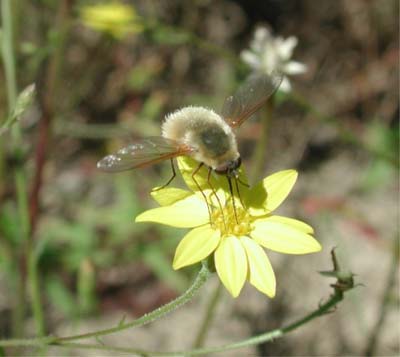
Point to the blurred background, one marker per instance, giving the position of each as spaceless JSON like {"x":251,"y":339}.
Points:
{"x":108,"y":74}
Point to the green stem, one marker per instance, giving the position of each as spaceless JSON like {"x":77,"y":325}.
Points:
{"x":22,"y":202}
{"x":35,"y":293}
{"x":28,"y":342}
{"x":8,"y":56}
{"x":201,"y":278}
{"x":201,"y":335}
{"x":91,"y":346}
{"x":258,"y":159}
{"x":22,"y":206}
{"x":8,"y":53}
{"x":18,"y":308}
{"x":274,"y":334}
{"x":61,"y":24}
{"x":323,"y":309}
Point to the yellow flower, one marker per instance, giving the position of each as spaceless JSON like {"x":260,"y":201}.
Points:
{"x":233,"y":234}
{"x":115,"y":18}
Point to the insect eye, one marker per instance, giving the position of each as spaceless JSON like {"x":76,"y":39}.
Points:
{"x":234,"y":164}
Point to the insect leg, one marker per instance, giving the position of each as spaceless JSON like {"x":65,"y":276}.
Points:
{"x":199,"y":187}
{"x":243,"y":183}
{"x":170,"y":180}
{"x":238,"y":192}
{"x":215,"y":194}
{"x":233,"y":198}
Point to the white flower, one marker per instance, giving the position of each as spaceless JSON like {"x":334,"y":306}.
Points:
{"x":268,"y":53}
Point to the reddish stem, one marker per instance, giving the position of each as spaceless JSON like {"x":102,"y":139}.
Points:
{"x":40,"y":159}
{"x":47,"y":107}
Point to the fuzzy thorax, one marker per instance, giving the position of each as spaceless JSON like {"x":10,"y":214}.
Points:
{"x":205,"y":131}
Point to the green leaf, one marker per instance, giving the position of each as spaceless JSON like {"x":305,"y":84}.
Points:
{"x":24,"y":100}
{"x":61,"y":297}
{"x":9,"y":227}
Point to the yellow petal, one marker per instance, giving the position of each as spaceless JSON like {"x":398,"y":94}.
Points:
{"x":283,"y":238}
{"x":261,"y":274}
{"x":169,"y":195}
{"x":231,"y":264}
{"x":198,"y":244}
{"x":187,"y":213}
{"x":187,"y":166}
{"x":294,"y":223}
{"x":268,"y":194}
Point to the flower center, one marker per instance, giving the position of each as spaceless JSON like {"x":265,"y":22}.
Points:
{"x":230,"y":223}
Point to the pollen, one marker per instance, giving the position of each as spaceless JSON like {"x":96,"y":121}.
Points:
{"x":229,"y":223}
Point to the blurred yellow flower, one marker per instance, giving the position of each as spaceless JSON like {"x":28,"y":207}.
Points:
{"x":235,"y":235}
{"x":114,"y":18}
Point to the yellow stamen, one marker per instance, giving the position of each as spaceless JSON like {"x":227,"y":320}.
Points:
{"x":225,"y":221}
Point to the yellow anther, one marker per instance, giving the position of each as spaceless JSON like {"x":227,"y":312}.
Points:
{"x":225,"y":221}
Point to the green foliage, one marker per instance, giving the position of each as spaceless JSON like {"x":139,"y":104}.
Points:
{"x":24,"y":100}
{"x":141,"y":76}
{"x":9,"y":223}
{"x":386,"y":140}
{"x":60,"y":296}
{"x":170,"y":36}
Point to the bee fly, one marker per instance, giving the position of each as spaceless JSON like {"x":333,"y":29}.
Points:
{"x":200,"y":133}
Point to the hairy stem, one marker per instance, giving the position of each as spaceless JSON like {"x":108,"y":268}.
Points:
{"x":201,"y":278}
{"x":322,"y":310}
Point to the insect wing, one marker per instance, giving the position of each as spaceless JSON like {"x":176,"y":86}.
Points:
{"x":143,"y":153}
{"x":250,"y":97}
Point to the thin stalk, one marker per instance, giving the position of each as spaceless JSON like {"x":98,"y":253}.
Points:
{"x":8,"y":53}
{"x":47,"y":107}
{"x":259,"y":155}
{"x":37,"y":309}
{"x":2,"y":167}
{"x":18,"y":309}
{"x":8,"y":56}
{"x":262,"y":338}
{"x":22,"y":202}
{"x":322,"y":310}
{"x":208,"y":317}
{"x":201,"y":278}
{"x":22,"y":206}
